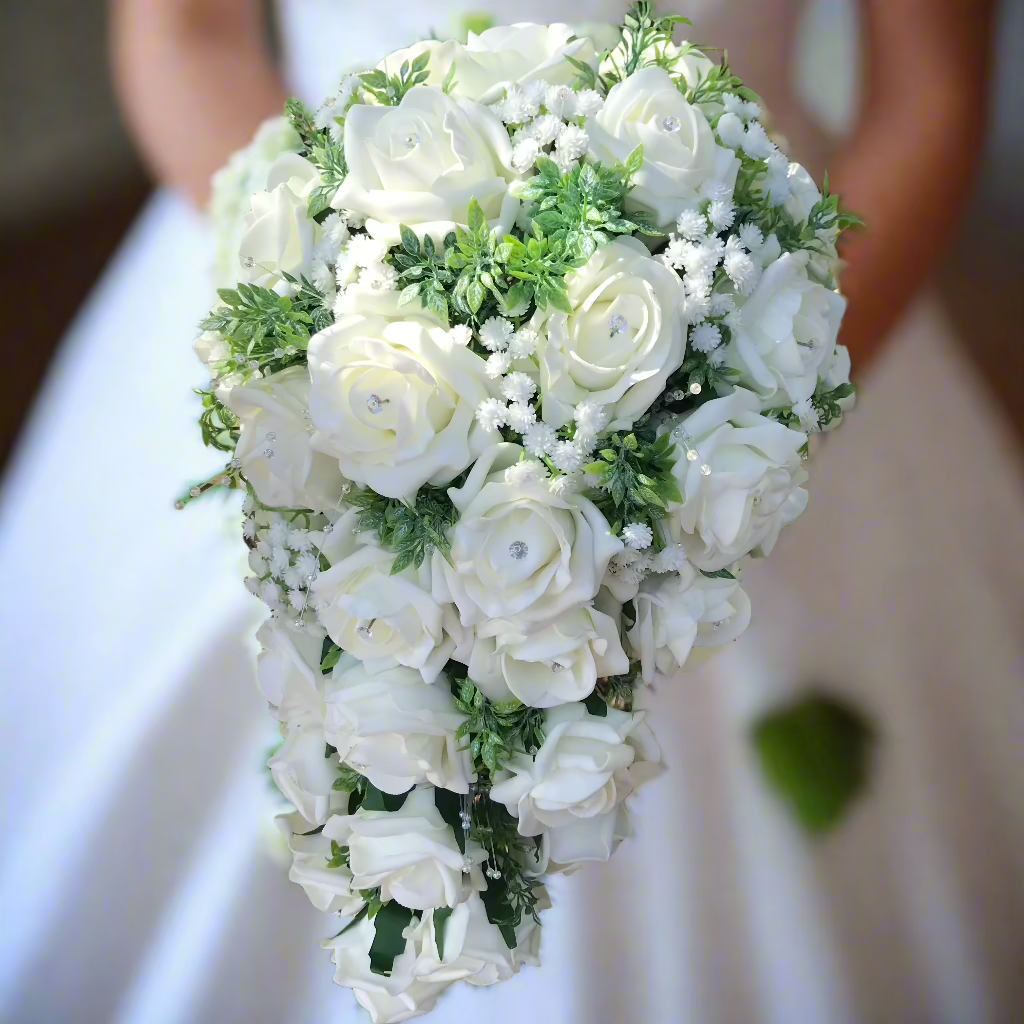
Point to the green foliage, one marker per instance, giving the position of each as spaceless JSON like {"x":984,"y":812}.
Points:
{"x":219,"y":425}
{"x":322,"y":151}
{"x":390,"y":90}
{"x":514,"y":894}
{"x":375,"y":799}
{"x":422,"y":273}
{"x":349,"y":781}
{"x":719,"y":574}
{"x":266,"y":328}
{"x":496,"y":729}
{"x":477,"y":257}
{"x":617,"y":691}
{"x":645,"y":38}
{"x":634,"y":472}
{"x":539,"y":266}
{"x":583,"y":209}
{"x":339,"y":855}
{"x":330,"y":655}
{"x":440,"y":919}
{"x":715,"y":83}
{"x":815,"y":753}
{"x":390,"y":921}
{"x":412,"y":532}
{"x":827,"y":402}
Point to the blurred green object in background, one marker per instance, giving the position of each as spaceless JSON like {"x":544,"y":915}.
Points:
{"x":815,"y":752}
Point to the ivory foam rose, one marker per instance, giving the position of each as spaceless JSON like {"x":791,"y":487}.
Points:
{"x":393,"y":397}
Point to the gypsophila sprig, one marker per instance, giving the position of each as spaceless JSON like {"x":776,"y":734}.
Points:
{"x":411,"y":532}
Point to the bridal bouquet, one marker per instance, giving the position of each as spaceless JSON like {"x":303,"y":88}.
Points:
{"x":530,"y":337}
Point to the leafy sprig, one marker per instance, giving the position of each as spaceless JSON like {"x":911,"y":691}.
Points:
{"x":634,"y":474}
{"x":411,"y":531}
{"x":390,"y":90}
{"x":423,"y":273}
{"x":495,"y":729}
{"x":322,"y":151}
{"x":584,"y":208}
{"x":219,"y":425}
{"x":646,"y":39}
{"x":713,"y":85}
{"x":265,"y":328}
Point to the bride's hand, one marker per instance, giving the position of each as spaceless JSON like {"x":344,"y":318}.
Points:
{"x":195,"y":79}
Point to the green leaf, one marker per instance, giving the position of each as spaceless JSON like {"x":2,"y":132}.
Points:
{"x":815,"y":753}
{"x":409,"y":293}
{"x":375,"y":800}
{"x":449,"y":80}
{"x":475,"y":296}
{"x":441,"y":915}
{"x":596,"y":706}
{"x":388,"y":942}
{"x":477,"y":219}
{"x":421,"y":61}
{"x":330,"y":655}
{"x":720,"y":574}
{"x":410,"y":243}
{"x":449,"y":805}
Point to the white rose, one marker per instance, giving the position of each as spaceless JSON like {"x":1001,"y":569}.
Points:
{"x":572,"y":789}
{"x":622,"y":340}
{"x":232,"y":187}
{"x":680,"y":151}
{"x":387,"y":999}
{"x":394,"y":730}
{"x":274,"y":445}
{"x":394,"y":398}
{"x":421,"y":163}
{"x":559,"y":663}
{"x":410,"y":853}
{"x":288,"y":673}
{"x":518,"y":551}
{"x":329,"y":889}
{"x":280,"y":237}
{"x":753,"y":490}
{"x":383,"y":619}
{"x":788,"y":330}
{"x":675,"y":614}
{"x":510,"y":55}
{"x":473,"y":950}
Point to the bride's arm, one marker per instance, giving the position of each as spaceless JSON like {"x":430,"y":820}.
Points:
{"x":195,"y":78}
{"x":909,"y":167}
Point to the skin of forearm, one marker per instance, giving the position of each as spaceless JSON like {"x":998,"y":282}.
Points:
{"x":195,"y":80}
{"x":907,"y":173}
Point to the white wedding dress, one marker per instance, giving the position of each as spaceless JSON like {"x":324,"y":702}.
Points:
{"x":137,"y":881}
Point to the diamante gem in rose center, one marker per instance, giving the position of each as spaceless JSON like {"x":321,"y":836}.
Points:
{"x":518,"y":550}
{"x":617,"y":324}
{"x":375,"y":403}
{"x":670,"y":124}
{"x":412,"y":140}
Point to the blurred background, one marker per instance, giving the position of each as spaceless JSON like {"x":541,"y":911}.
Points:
{"x":174,"y":866}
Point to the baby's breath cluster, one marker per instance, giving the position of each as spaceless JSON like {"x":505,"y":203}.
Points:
{"x":517,"y":371}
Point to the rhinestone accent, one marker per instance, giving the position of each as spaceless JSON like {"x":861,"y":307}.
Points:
{"x":248,"y":262}
{"x":695,"y":388}
{"x":617,"y":324}
{"x":493,"y":873}
{"x":194,"y":491}
{"x":179,"y":504}
{"x":268,"y":453}
{"x":518,"y":550}
{"x":375,"y":403}
{"x":692,"y":455}
{"x":271,"y":436}
{"x":412,"y":140}
{"x":670,"y":124}
{"x":705,"y":470}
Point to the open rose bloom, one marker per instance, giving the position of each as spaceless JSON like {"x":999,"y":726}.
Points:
{"x":527,"y":339}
